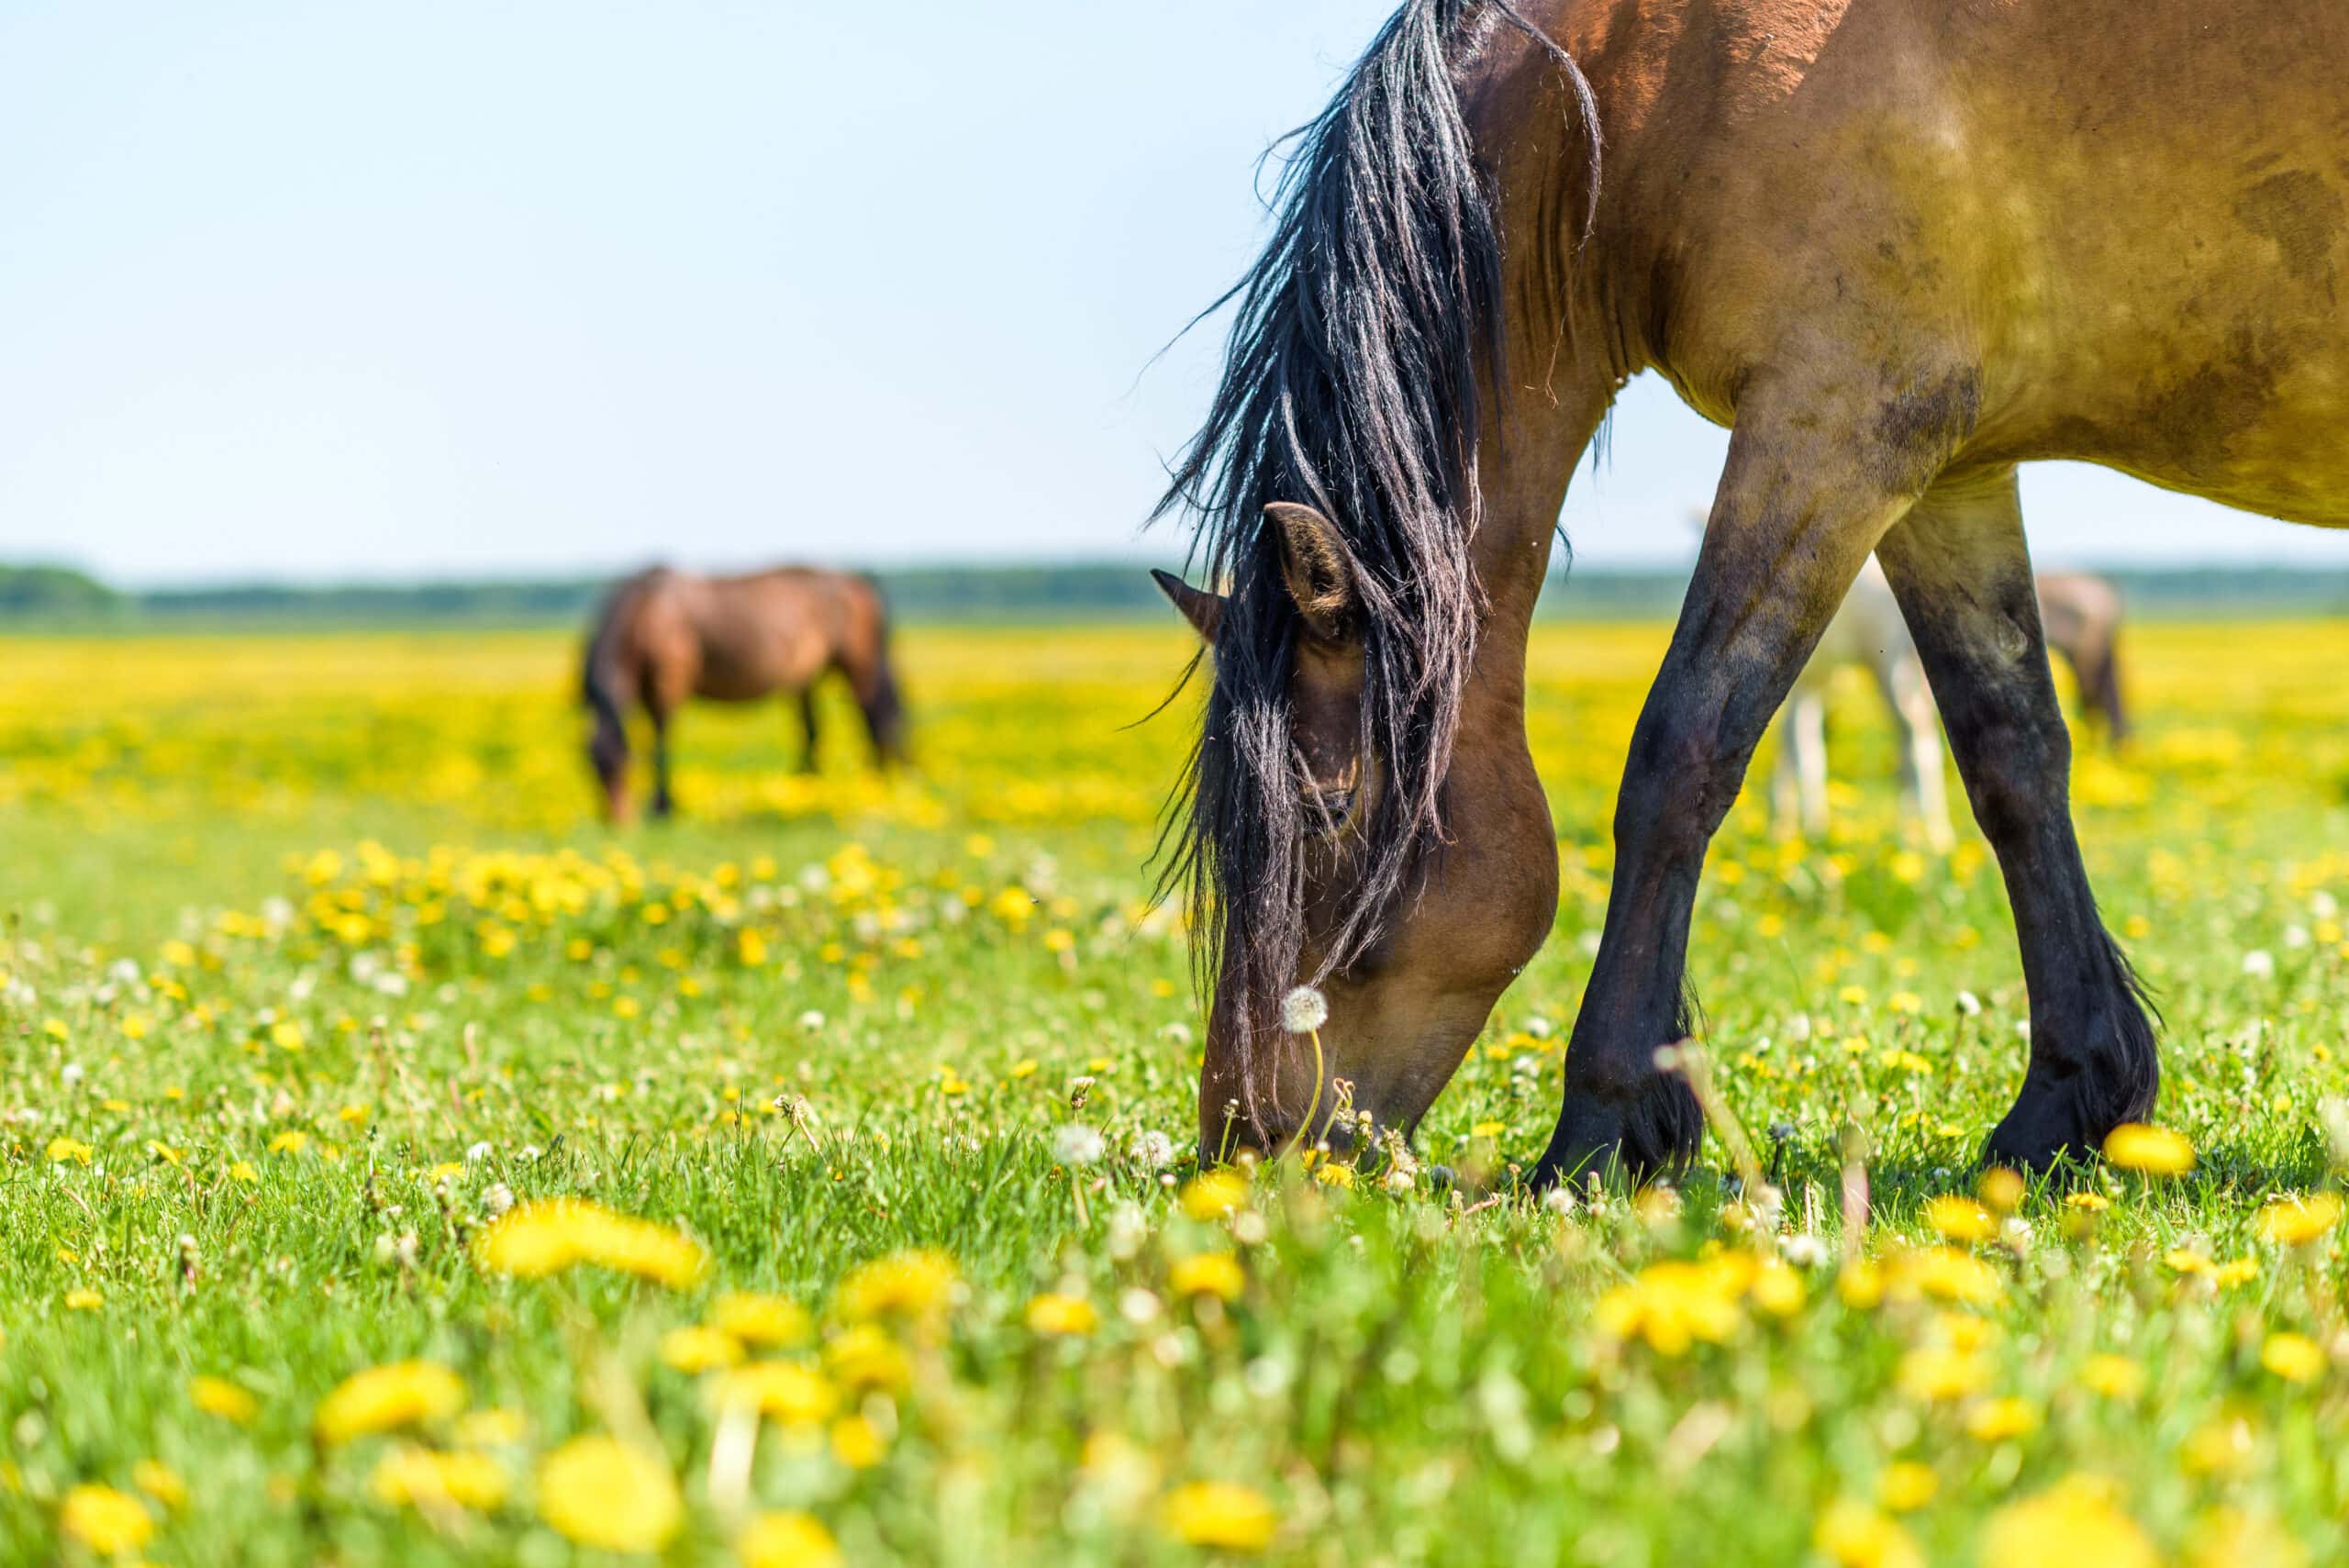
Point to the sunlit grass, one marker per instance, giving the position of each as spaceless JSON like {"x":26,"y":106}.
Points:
{"x":813,"y":1176}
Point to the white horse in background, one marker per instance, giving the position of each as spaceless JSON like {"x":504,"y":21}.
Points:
{"x":1867,"y":630}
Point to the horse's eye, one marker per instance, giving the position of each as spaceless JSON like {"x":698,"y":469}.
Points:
{"x":1326,"y":810}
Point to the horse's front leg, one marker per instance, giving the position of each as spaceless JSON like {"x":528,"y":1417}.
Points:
{"x":1963,"y":573}
{"x":1800,"y":505}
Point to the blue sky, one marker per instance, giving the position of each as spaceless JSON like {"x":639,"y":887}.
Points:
{"x":510,"y":285}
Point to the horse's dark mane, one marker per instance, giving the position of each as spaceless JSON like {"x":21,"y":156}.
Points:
{"x":1351,"y":384}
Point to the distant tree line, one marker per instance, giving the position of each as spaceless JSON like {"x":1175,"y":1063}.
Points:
{"x":61,"y":598}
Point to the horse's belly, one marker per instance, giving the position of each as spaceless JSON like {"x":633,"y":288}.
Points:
{"x":2276,"y":447}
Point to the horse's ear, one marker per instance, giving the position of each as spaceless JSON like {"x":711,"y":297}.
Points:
{"x":1202,"y":609}
{"x":1318,"y":568}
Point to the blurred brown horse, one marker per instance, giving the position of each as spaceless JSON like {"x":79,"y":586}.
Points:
{"x":665,"y":636}
{"x":2081,"y":616}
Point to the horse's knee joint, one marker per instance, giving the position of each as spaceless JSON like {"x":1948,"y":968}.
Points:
{"x":2020,"y":770}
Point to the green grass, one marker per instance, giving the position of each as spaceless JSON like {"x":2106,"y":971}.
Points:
{"x":1413,"y":1377}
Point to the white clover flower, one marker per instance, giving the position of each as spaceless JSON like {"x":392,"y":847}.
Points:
{"x":1304,"y":1010}
{"x":2323,"y":906}
{"x":497,"y":1198}
{"x":1969,"y":1004}
{"x":70,"y":1075}
{"x":1073,"y":1143}
{"x":1151,"y":1150}
{"x":2259,"y":963}
{"x":811,"y":1020}
{"x":478,"y":1152}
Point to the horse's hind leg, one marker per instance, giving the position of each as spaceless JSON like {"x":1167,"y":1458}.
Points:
{"x":1911,"y":700}
{"x":807,"y":726}
{"x":664,"y":803}
{"x":1963,"y":573}
{"x":1806,"y":724}
{"x":1800,"y":506}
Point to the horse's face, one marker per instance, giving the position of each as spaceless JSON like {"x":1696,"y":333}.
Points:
{"x":607,"y":754}
{"x":1403,"y":1010}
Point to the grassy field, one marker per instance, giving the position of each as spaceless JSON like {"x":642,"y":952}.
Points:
{"x":394,"y":1166}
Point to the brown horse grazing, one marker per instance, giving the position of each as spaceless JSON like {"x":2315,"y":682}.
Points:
{"x":665,"y":636}
{"x":2081,"y":615}
{"x":1900,"y":247}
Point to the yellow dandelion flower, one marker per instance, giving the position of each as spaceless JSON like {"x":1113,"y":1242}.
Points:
{"x":2088,"y":1203}
{"x":382,"y":1399}
{"x":242,"y":1171}
{"x":1673,"y":1305}
{"x":424,"y":1478}
{"x":918,"y":1286}
{"x":161,"y":1482}
{"x":601,"y":1491}
{"x":857,"y":1443}
{"x":1054,"y":1314}
{"x":788,"y":1539}
{"x":694,"y":1349}
{"x":1207,"y":1273}
{"x":770,"y":1321}
{"x":1998,"y":1420}
{"x":83,"y":1299}
{"x":2242,"y":1270}
{"x":2229,"y":1538}
{"x":864,"y":1357}
{"x":293,"y":1140}
{"x":2224,"y":1445}
{"x":1937,"y":1374}
{"x":1777,"y":1290}
{"x":218,"y":1396}
{"x":1861,"y":1283}
{"x":1961,"y":1219}
{"x":1946,"y":1274}
{"x":1333,"y":1175}
{"x":2115,"y":1377}
{"x":2149,"y":1151}
{"x":2001,"y":1190}
{"x":108,"y":1522}
{"x":2296,"y":1222}
{"x":70,"y":1151}
{"x":1853,"y":1535}
{"x":2075,"y":1521}
{"x":2295,"y":1358}
{"x":1907,"y":1486}
{"x":783,"y":1391}
{"x":499,"y":1428}
{"x":1214,"y":1194}
{"x":546,"y":1238}
{"x":1221,"y":1514}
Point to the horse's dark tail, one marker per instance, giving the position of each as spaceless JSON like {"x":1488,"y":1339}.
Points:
{"x":883,"y":700}
{"x":601,"y":678}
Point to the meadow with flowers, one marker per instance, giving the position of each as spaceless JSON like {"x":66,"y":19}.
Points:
{"x":397,"y":1166}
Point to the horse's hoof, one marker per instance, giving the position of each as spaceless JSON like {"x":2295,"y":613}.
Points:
{"x":2039,"y":1135}
{"x":1654,"y":1131}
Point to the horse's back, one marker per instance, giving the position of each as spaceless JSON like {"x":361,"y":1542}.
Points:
{"x":767,"y":631}
{"x":2113,"y":231}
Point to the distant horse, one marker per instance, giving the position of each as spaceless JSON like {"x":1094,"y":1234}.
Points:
{"x":2082,"y":617}
{"x":2081,"y":613}
{"x":665,"y":636}
{"x":1900,"y":247}
{"x":1868,"y":631}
